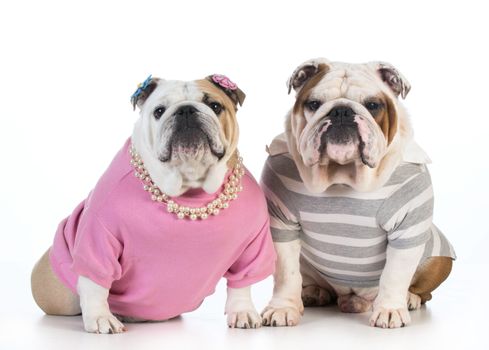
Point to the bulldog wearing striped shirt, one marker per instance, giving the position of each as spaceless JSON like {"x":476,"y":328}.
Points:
{"x":351,"y":200}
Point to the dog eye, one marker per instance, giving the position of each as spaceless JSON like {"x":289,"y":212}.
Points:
{"x":313,"y":105}
{"x":159,"y":112}
{"x":372,"y":106}
{"x":216,"y":107}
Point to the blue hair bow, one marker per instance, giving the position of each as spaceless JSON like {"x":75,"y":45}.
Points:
{"x":141,"y":87}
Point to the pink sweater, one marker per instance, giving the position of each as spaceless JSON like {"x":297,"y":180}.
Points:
{"x":156,"y":265}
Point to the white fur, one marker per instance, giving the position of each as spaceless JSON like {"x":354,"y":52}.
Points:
{"x":151,"y":138}
{"x":390,"y":306}
{"x":96,"y":314}
{"x":240,"y":311}
{"x":285,"y":308}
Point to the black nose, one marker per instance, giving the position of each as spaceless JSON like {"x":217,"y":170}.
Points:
{"x":341,"y":115}
{"x":187,"y":116}
{"x":185,"y":111}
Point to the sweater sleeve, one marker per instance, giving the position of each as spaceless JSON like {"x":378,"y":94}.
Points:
{"x":284,"y":224}
{"x":406,"y":215}
{"x":255,"y":263}
{"x":96,"y":251}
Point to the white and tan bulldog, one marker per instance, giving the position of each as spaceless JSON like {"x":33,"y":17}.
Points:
{"x":350,"y":199}
{"x":154,"y":245}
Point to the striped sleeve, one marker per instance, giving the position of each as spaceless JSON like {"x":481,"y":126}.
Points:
{"x":283,"y":217}
{"x":407,"y":213}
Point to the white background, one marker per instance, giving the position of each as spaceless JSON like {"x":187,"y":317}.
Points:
{"x":66,"y":73}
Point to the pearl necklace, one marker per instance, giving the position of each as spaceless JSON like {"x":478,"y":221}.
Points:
{"x":231,"y":188}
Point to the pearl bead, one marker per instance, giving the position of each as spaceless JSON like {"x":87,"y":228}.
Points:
{"x":231,"y":188}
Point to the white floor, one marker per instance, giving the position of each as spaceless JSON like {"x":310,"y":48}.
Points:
{"x":457,"y":317}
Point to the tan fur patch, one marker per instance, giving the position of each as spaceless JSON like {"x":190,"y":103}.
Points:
{"x":305,"y":92}
{"x":227,"y":117}
{"x":430,"y":275}
{"x":387,"y":118}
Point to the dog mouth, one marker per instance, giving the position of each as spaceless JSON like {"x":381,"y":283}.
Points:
{"x":191,"y":143}
{"x":341,"y":144}
{"x":345,"y":142}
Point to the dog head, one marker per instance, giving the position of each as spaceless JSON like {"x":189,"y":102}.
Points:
{"x":187,"y":132}
{"x":346,"y":122}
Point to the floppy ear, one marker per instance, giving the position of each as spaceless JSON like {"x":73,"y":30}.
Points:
{"x":394,"y":79}
{"x":305,"y":72}
{"x":143,"y":91}
{"x":230,"y":89}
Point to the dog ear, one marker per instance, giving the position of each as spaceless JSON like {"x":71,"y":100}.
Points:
{"x":393,"y":78}
{"x":143,"y":91}
{"x":230,"y":89}
{"x":305,"y":72}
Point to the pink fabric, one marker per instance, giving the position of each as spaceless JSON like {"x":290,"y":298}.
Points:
{"x":155,"y":265}
{"x":224,"y":81}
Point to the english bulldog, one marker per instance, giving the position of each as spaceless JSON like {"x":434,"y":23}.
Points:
{"x":174,"y":212}
{"x":350,"y":199}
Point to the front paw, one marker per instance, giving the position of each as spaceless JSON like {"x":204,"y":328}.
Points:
{"x":385,"y":317}
{"x":281,"y":316}
{"x":244,"y":319}
{"x":104,"y":323}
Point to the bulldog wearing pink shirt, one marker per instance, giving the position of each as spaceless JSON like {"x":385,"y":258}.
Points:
{"x":174,"y":213}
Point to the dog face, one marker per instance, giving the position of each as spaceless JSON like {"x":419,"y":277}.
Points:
{"x":187,"y":132}
{"x":346,"y":118}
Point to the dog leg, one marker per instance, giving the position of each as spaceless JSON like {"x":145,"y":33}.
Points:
{"x":285,"y":308}
{"x":240,"y":311}
{"x":429,"y":276}
{"x":52,"y":296}
{"x":96,"y":314}
{"x":390,"y":307}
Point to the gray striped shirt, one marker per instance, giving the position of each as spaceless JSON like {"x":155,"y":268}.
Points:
{"x":344,"y":233}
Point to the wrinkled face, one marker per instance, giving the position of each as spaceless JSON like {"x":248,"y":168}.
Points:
{"x":344,"y":113}
{"x":188,"y":122}
{"x":187,"y":132}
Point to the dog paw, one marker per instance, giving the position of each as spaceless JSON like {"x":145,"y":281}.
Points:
{"x":103,"y":324}
{"x":282,"y":316}
{"x":390,"y":318}
{"x":413,"y":301}
{"x":316,"y":296}
{"x":244,"y":319}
